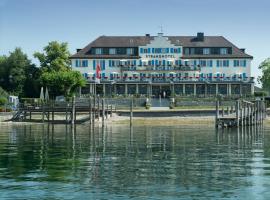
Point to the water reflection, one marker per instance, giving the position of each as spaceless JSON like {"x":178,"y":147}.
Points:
{"x":141,"y":161}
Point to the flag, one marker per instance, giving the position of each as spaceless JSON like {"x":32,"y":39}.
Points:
{"x":98,"y":77}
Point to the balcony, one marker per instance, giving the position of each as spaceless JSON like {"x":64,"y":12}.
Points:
{"x":177,"y":68}
{"x":174,"y":79}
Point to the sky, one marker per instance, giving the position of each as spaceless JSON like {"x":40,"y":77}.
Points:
{"x":31,"y":24}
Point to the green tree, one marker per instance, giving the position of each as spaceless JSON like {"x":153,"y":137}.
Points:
{"x":13,"y":71}
{"x":265,"y":78}
{"x":55,"y":57}
{"x":56,"y":73}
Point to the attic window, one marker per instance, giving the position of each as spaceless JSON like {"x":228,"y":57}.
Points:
{"x":223,"y":51}
{"x":98,"y":51}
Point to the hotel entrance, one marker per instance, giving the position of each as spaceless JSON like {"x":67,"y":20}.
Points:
{"x":163,"y":91}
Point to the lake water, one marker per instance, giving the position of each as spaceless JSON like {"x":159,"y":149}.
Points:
{"x":143,"y":162}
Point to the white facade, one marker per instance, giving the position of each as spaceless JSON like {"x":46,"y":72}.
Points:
{"x":158,"y":54}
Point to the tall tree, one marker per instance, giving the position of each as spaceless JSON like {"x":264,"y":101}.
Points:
{"x":265,"y":78}
{"x":55,"y":57}
{"x":56,"y":72}
{"x":13,"y":71}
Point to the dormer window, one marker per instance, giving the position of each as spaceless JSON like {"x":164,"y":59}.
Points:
{"x":130,"y":51}
{"x":112,"y":51}
{"x":206,"y":51}
{"x":98,"y":51}
{"x":223,"y":51}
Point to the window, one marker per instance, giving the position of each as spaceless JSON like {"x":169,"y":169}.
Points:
{"x":243,"y":63}
{"x":203,"y":63}
{"x":112,"y":51}
{"x":77,"y":63}
{"x":192,"y":51}
{"x":236,"y":63}
{"x":84,"y":63}
{"x":130,"y":51}
{"x":94,"y":64}
{"x":225,"y":63}
{"x":141,"y":50}
{"x":223,"y":51}
{"x":206,"y":51}
{"x":219,"y":63}
{"x":98,"y":51}
{"x":210,"y":63}
{"x":186,"y":51}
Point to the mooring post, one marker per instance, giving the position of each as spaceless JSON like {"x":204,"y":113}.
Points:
{"x":90,"y":110}
{"x":98,"y":108}
{"x":103,"y":111}
{"x":53,"y":111}
{"x":217,"y":112}
{"x":244,"y":114}
{"x":73,"y":111}
{"x":228,"y":110}
{"x":237,"y":113}
{"x":107,"y":109}
{"x":94,"y":109}
{"x":222,"y":112}
{"x":111,"y":110}
{"x":248,"y":114}
{"x":131,"y":111}
{"x":43,"y":111}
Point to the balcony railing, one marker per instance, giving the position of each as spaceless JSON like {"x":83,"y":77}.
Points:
{"x":174,"y":79}
{"x":161,"y":68}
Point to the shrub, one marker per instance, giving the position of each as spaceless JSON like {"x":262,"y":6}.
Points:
{"x":3,"y":101}
{"x":260,"y":94}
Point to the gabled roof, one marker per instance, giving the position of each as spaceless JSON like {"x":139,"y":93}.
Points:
{"x":185,"y":41}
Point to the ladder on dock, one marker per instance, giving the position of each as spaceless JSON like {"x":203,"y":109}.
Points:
{"x":244,"y":113}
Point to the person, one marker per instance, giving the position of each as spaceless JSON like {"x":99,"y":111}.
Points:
{"x":164,"y":94}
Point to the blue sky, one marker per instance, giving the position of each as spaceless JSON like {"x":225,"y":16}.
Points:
{"x":31,"y":24}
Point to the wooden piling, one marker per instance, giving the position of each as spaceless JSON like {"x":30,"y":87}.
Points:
{"x":43,"y":112}
{"x":98,"y":110}
{"x":217,"y":112}
{"x":90,"y":111}
{"x":111,"y":110}
{"x":107,"y":109}
{"x":103,"y":111}
{"x":237,"y":112}
{"x":73,"y":111}
{"x":131,"y":112}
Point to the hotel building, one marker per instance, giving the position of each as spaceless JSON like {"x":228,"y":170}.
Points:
{"x":151,"y":65}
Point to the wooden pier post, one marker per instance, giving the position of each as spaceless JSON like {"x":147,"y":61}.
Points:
{"x":131,"y":112}
{"x":98,"y":108}
{"x":222,"y":112}
{"x":53,"y":111}
{"x":94,"y":110}
{"x":111,"y":110}
{"x":43,"y":112}
{"x":217,"y":112}
{"x":103,"y":111}
{"x":249,"y":109}
{"x":237,"y":112}
{"x":245,"y":113}
{"x":107,"y":109}
{"x":228,"y":110}
{"x":73,"y":111}
{"x":90,"y":111}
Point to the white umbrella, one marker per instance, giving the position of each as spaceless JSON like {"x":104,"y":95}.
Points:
{"x":46,"y":94}
{"x":41,"y":96}
{"x":172,"y":73}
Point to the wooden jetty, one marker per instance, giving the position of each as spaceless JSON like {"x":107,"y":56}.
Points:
{"x":244,"y":113}
{"x":90,"y":109}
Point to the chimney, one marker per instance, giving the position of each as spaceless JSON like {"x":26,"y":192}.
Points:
{"x":147,"y":35}
{"x":78,"y":50}
{"x":243,"y":50}
{"x":200,"y":36}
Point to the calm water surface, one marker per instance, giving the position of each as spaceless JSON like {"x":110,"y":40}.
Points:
{"x":145,"y":162}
